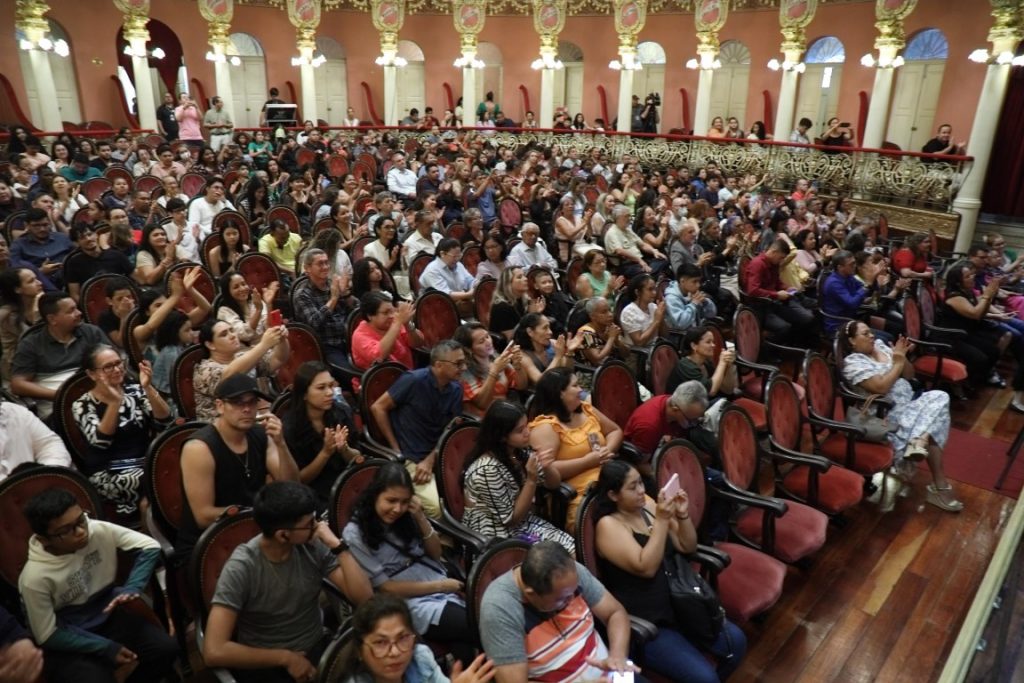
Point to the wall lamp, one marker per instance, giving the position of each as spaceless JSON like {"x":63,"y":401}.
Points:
{"x":869,"y":61}
{"x":59,"y":47}
{"x":155,"y":53}
{"x":798,"y":67}
{"x":705,"y":63}
{"x":394,"y":60}
{"x":982,"y":56}
{"x":307,"y":61}
{"x":469,"y":63}
{"x":546,"y":62}
{"x":234,"y":60}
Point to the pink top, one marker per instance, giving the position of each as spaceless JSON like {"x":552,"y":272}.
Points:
{"x":188,"y":123}
{"x":366,"y":346}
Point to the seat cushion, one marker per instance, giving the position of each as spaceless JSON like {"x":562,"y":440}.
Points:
{"x":838,"y":488}
{"x":757,"y":412}
{"x":751,"y":583}
{"x":868,"y":458}
{"x":952,"y":370}
{"x":798,"y":533}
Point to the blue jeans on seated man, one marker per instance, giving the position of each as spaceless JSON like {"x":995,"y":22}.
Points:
{"x":671,"y":654}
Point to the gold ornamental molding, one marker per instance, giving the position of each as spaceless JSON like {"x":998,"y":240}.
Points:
{"x":469,"y":17}
{"x":30,"y":18}
{"x":388,"y":17}
{"x":218,"y":15}
{"x":910,"y":219}
{"x":548,"y":22}
{"x":524,"y":7}
{"x":305,"y":17}
{"x":794,"y":18}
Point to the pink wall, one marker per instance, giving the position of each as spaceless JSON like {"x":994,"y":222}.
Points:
{"x":92,"y":28}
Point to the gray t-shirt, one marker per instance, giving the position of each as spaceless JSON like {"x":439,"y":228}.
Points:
{"x":277,"y":604}
{"x":513,"y":633}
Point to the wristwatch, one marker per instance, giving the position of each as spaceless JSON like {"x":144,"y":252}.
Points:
{"x":340,"y":548}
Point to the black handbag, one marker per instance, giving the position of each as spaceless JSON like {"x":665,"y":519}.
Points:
{"x":699,"y":614}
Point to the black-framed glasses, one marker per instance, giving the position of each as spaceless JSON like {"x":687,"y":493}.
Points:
{"x":111,"y":367}
{"x":81,"y":523}
{"x":461,"y":364}
{"x":305,"y":527}
{"x":380,"y":647}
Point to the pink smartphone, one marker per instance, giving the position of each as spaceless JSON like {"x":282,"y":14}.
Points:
{"x":274,"y":318}
{"x":671,"y":488}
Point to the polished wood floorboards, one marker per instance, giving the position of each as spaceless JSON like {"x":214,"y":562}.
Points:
{"x":885,"y":598}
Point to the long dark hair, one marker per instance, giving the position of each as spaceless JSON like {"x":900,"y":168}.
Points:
{"x":361,"y":278}
{"x":636,"y":283}
{"x":250,"y":196}
{"x":364,"y":514}
{"x":10,"y":280}
{"x":304,"y":377}
{"x":499,"y":421}
{"x":365,"y":620}
{"x":611,"y":478}
{"x":167,"y":332}
{"x":521,"y":335}
{"x":547,"y":397}
{"x":224,"y":287}
{"x":955,"y":282}
{"x":224,"y":256}
{"x":147,"y":246}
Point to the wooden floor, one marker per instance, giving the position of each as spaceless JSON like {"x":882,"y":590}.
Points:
{"x":885,"y":598}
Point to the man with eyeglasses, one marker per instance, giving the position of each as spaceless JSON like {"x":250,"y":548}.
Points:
{"x":447,"y":274}
{"x":76,"y":610}
{"x":415,"y":411}
{"x":202,"y":211}
{"x":265,"y":622}
{"x":42,"y":246}
{"x":92,"y":259}
{"x":227,"y":462}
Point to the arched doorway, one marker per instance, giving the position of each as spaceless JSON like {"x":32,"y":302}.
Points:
{"x":166,"y":63}
{"x":64,"y":82}
{"x":411,"y":88}
{"x":916,"y":95}
{"x":488,"y":79}
{"x":652,"y":77}
{"x":248,"y":80}
{"x":729,"y":87}
{"x":331,"y":81}
{"x":818,"y":97}
{"x":569,"y":80}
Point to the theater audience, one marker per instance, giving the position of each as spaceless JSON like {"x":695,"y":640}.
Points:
{"x":244,"y":309}
{"x":224,"y":256}
{"x":154,"y":307}
{"x":20,"y":291}
{"x":785,"y":315}
{"x":686,"y":305}
{"x":173,"y":336}
{"x":321,"y":302}
{"x":24,"y":439}
{"x":512,"y":301}
{"x":530,"y":251}
{"x":533,"y":336}
{"x":91,"y":259}
{"x":487,"y":378}
{"x":386,"y":332}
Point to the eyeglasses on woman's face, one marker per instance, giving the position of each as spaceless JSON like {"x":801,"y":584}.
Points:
{"x":381,"y":647}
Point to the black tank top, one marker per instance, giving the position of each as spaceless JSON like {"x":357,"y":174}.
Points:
{"x":646,"y":598}
{"x":237,"y":478}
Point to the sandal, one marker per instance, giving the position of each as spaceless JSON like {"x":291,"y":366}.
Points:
{"x":996,"y":381}
{"x":943,"y":498}
{"x":917,"y":450}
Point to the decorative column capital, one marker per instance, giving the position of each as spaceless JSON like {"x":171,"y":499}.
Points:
{"x":630,"y":18}
{"x":30,"y":18}
{"x":469,"y":17}
{"x":709,"y":17}
{"x":794,"y":17}
{"x":548,"y":22}
{"x":890,"y":15}
{"x":217,"y":35}
{"x":135,"y":28}
{"x":1008,"y":25}
{"x":217,"y":11}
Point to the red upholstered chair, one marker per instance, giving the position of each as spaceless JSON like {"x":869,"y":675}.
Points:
{"x":484,"y":295}
{"x":498,"y":559}
{"x":93,"y":188}
{"x":304,"y":346}
{"x":192,"y":184}
{"x":325,"y":223}
{"x":258,"y":269}
{"x":112,"y":172}
{"x":471,"y":257}
{"x":70,"y":391}
{"x":788,"y":531}
{"x":810,"y":479}
{"x":183,"y":383}
{"x":337,"y":166}
{"x":833,"y":437}
{"x":436,"y":318}
{"x":346,"y":491}
{"x":375,"y":381}
{"x":356,"y":250}
{"x":205,"y":285}
{"x":456,"y":230}
{"x":934,"y":362}
{"x":236,"y":219}
{"x":614,"y":391}
{"x":753,"y":373}
{"x":751,"y":581}
{"x":510,"y":213}
{"x":573,"y":270}
{"x":416,"y":267}
{"x":93,"y":297}
{"x":304,"y":157}
{"x":210,"y":242}
{"x":453,"y":450}
{"x":148,"y":183}
{"x":363,"y":171}
{"x":662,"y":360}
{"x":286,"y":214}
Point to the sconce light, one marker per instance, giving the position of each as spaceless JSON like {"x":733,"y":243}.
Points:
{"x":798,"y":67}
{"x":705,"y":63}
{"x":233,"y":60}
{"x":982,"y":56}
{"x":629,"y":63}
{"x":59,"y":47}
{"x":385,"y":60}
{"x":315,"y":62}
{"x":468,"y":63}
{"x":869,"y":61}
{"x":546,"y":62}
{"x":155,"y":53}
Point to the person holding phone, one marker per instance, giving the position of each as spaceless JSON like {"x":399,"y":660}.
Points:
{"x":837,"y":134}
{"x":633,"y":535}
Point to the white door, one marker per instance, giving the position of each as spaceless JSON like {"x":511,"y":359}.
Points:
{"x":410,"y":88}
{"x":729,"y":93}
{"x":912,"y":115}
{"x":817,"y":98}
{"x":64,"y":83}
{"x":249,"y":90}
{"x":573,"y":94}
{"x":332,"y":91}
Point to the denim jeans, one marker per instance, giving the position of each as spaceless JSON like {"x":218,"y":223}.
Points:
{"x":671,"y":654}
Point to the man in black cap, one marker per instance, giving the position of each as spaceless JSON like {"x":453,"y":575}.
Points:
{"x":227,"y":462}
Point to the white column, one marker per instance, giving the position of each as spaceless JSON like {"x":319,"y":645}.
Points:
{"x":787,"y":105}
{"x":391,"y":96}
{"x":145,"y":107}
{"x":307,"y":81}
{"x":469,"y":95}
{"x":625,"y":110}
{"x":547,"y":98}
{"x":878,"y":110}
{"x":43,"y":75}
{"x":702,"y":112}
{"x":983,"y":133}
{"x":222,"y":75}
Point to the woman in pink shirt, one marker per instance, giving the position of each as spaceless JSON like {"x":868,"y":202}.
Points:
{"x":385,"y":333}
{"x":188,"y":115}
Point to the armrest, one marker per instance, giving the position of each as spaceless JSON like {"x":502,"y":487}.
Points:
{"x":773,"y":505}
{"x":756,"y":367}
{"x":641,"y":630}
{"x":567,"y":491}
{"x":712,"y":554}
{"x":460,"y":532}
{"x":818,"y":462}
{"x":940,"y":347}
{"x":846,"y":427}
{"x":630,"y":453}
{"x":792,"y":350}
{"x":951,"y":331}
{"x":838,"y":318}
{"x":166,"y":547}
{"x":881,"y":402}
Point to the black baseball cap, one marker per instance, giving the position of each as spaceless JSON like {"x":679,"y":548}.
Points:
{"x":238,"y":385}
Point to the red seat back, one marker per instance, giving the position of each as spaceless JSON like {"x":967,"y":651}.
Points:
{"x":183,"y":382}
{"x":286,"y":214}
{"x":416,"y":267}
{"x":585,"y":534}
{"x":499,"y":559}
{"x":205,"y":285}
{"x":163,"y":477}
{"x":131,"y":345}
{"x":484,"y":295}
{"x":325,"y":223}
{"x":112,"y":172}
{"x":370,"y":162}
{"x":192,"y":184}
{"x":783,"y":408}
{"x":437,"y":318}
{"x":259,"y":270}
{"x":912,"y":318}
{"x":337,"y":166}
{"x":304,"y":157}
{"x":615,"y":392}
{"x":93,"y":188}
{"x":70,"y":391}
{"x":747,"y":331}
{"x":455,"y":447}
{"x":471,"y":257}
{"x":820,"y":386}
{"x":356,"y":250}
{"x":679,"y":457}
{"x":573,"y":270}
{"x":236,"y":219}
{"x":716,"y":332}
{"x":304,"y":346}
{"x":346,"y":492}
{"x":363,"y":171}
{"x":510,"y":213}
{"x":737,"y":447}
{"x":94,"y":295}
{"x":375,"y":381}
{"x":456,"y":230}
{"x":211,"y":242}
{"x":213,"y":550}
{"x":662,"y":361}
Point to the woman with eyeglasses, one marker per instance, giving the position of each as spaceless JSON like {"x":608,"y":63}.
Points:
{"x":117,"y":419}
{"x":384,"y":649}
{"x":922,"y":423}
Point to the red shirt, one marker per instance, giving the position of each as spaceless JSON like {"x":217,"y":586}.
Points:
{"x":648,"y":424}
{"x":366,"y":346}
{"x":908,"y":258}
{"x":763,"y":277}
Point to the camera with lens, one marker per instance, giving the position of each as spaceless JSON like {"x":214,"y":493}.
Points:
{"x":654,"y":98}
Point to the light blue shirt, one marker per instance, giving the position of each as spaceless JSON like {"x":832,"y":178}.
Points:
{"x":444,"y":279}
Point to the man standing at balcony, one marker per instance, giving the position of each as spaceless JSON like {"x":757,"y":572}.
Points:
{"x":943,"y":143}
{"x":166,"y":119}
{"x":219,"y":123}
{"x":800,"y":134}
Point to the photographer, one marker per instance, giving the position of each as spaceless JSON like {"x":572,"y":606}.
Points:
{"x":837,"y":134}
{"x":649,"y":115}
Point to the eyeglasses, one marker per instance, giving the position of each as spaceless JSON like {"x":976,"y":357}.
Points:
{"x":81,"y":523}
{"x":111,"y":367}
{"x":305,"y":527}
{"x":457,"y":363}
{"x":382,"y":646}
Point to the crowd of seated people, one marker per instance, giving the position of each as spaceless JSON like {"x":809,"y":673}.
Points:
{"x":609,"y":262}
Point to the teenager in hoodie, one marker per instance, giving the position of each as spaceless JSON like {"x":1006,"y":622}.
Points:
{"x":73,"y":604}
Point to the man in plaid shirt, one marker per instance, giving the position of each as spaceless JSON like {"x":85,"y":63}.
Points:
{"x":322,"y":303}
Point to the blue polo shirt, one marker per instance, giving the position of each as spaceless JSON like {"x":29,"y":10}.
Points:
{"x":841,"y":296}
{"x":54,"y":248}
{"x":422,"y":411}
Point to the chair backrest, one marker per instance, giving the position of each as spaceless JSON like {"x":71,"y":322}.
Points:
{"x":258,"y":269}
{"x":16,"y":491}
{"x":183,"y":382}
{"x":716,"y":332}
{"x":374,"y":382}
{"x":456,"y":230}
{"x":912,"y":326}
{"x":471,"y":257}
{"x":437,"y":317}
{"x":210,"y":242}
{"x":416,"y":267}
{"x":747,"y":333}
{"x":163,"y":477}
{"x":70,"y":391}
{"x":498,"y":559}
{"x":212,"y":551}
{"x":94,"y":294}
{"x":783,"y":411}
{"x":347,"y":489}
{"x":483,"y":296}
{"x":363,"y":171}
{"x":286,"y":214}
{"x":305,"y":346}
{"x":282,"y":404}
{"x":192,"y":184}
{"x":573,"y":270}
{"x":148,"y":183}
{"x":737,"y":447}
{"x":660,"y":365}
{"x":453,"y":450}
{"x":93,"y":188}
{"x":585,"y":534}
{"x":358,"y":248}
{"x":233,"y":218}
{"x":132,"y":346}
{"x":820,"y":386}
{"x":114,"y":171}
{"x":927,"y":305}
{"x":332,"y":662}
{"x":325,"y":223}
{"x":205,"y":285}
{"x":615,"y":392}
{"x":679,"y":457}
{"x":510,"y":213}
{"x":337,"y":166}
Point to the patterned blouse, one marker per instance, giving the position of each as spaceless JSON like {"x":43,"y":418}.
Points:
{"x":131,"y":438}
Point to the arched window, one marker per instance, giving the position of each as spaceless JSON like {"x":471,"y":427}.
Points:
{"x":734,"y":52}
{"x":569,"y":52}
{"x":64,"y":81}
{"x":329,"y":48}
{"x":244,"y":45}
{"x":818,"y":97}
{"x":650,"y":79}
{"x":650,"y":53}
{"x":729,"y":89}
{"x":927,"y":44}
{"x":826,"y":50}
{"x":410,"y":51}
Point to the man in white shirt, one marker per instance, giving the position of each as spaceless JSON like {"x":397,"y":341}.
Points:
{"x":401,"y":181}
{"x":531,"y":251}
{"x":423,"y":239}
{"x":800,"y":134}
{"x":172,"y":189}
{"x":729,"y":191}
{"x":202,"y":211}
{"x":24,"y":439}
{"x":447,"y":274}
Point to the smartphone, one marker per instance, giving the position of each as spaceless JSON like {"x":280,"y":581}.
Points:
{"x":263,"y":415}
{"x":622,"y":677}
{"x":844,"y":124}
{"x":595,"y":441}
{"x":274,"y":318}
{"x":672,"y":487}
